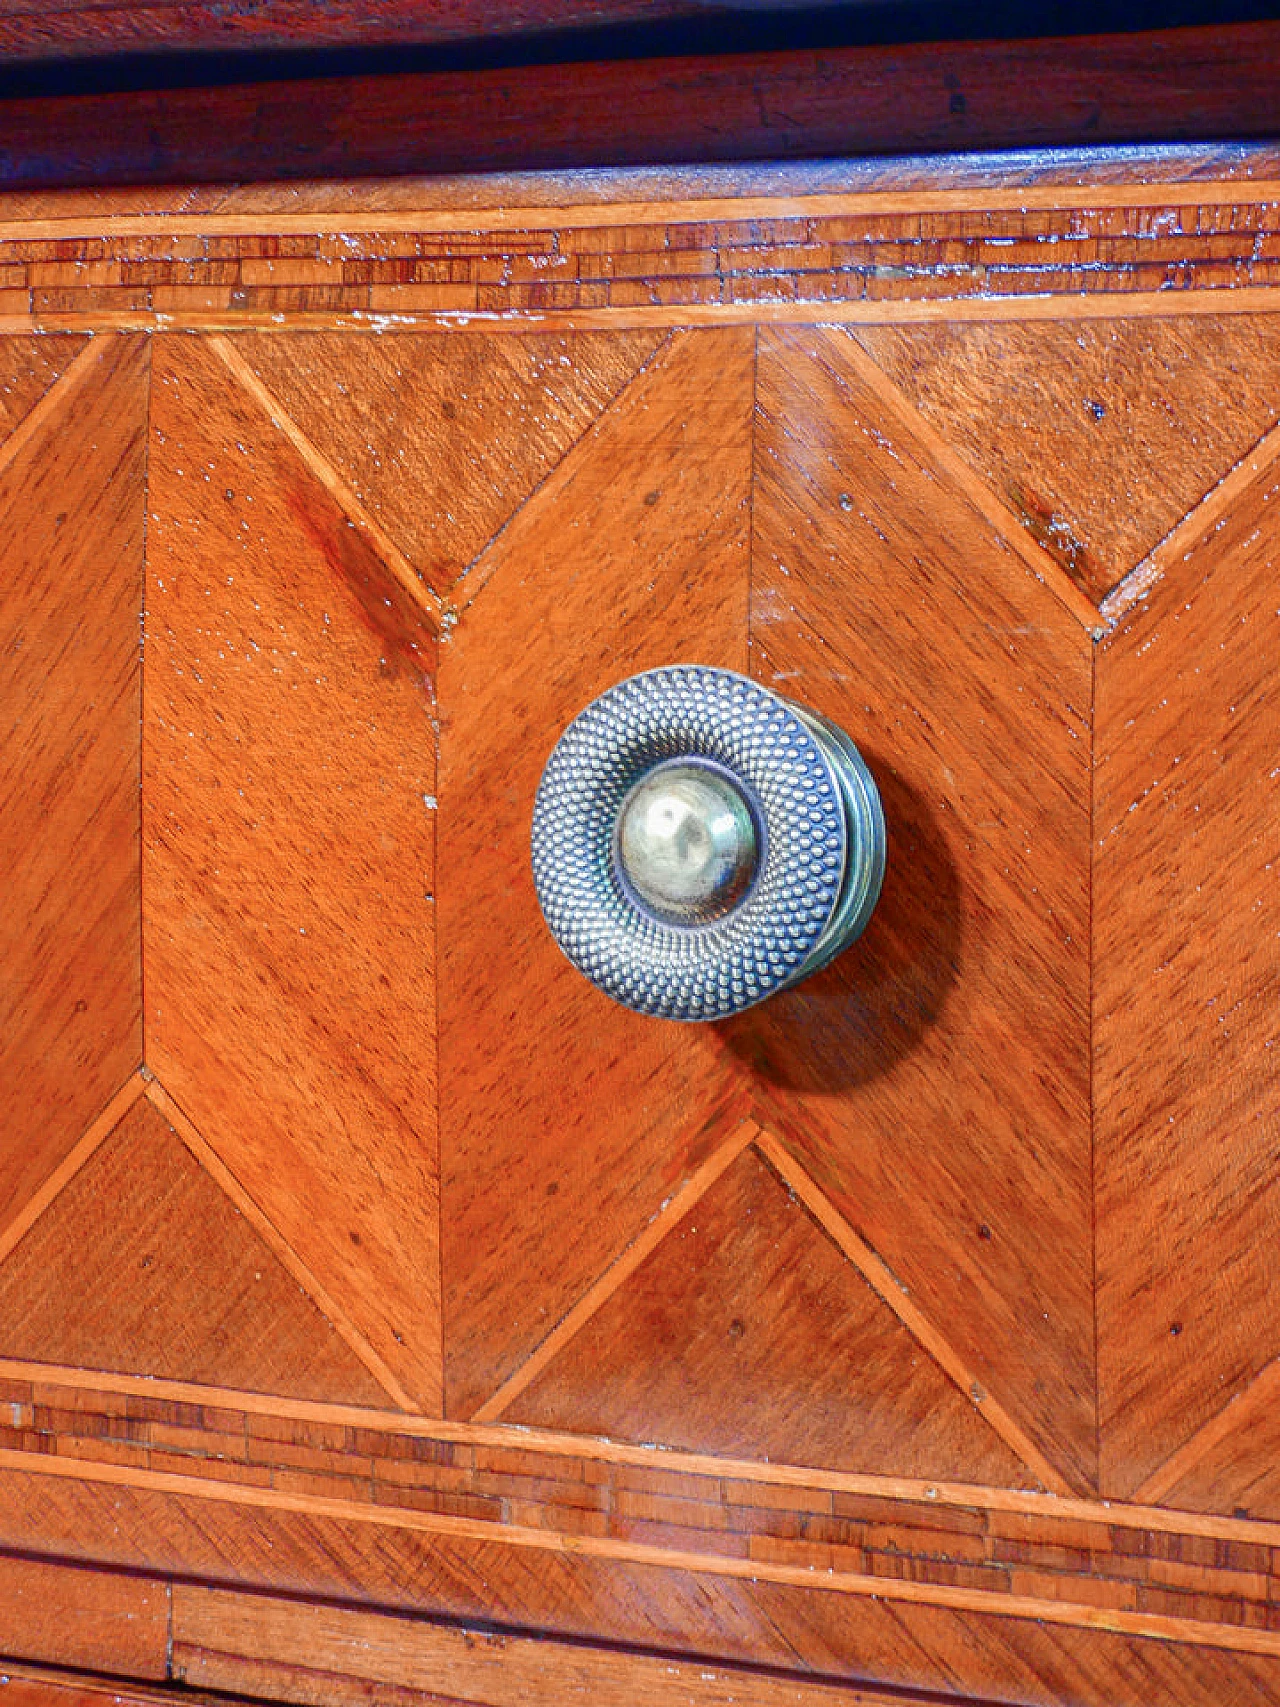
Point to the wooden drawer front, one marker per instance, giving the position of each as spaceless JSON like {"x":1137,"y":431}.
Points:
{"x":912,"y":1326}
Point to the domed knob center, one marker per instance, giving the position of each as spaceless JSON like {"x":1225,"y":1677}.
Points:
{"x":686,"y":842}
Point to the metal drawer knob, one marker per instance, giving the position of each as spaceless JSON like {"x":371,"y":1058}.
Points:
{"x":700,"y":842}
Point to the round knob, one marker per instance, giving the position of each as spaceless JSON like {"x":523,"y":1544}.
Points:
{"x":700,"y":842}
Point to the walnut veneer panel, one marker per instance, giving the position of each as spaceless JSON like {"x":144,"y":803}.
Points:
{"x":1187,"y":964}
{"x":566,"y":1121}
{"x":70,"y":595}
{"x":936,"y":1077}
{"x":289,"y":764}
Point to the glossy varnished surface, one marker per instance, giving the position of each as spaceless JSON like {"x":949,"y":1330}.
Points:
{"x":918,"y":97}
{"x":725,"y":1309}
{"x":549,"y":1175}
{"x":936,"y":1078}
{"x":912,"y":1327}
{"x":289,"y":763}
{"x":71,"y":492}
{"x":445,"y":438}
{"x":1097,"y":437}
{"x":1188,"y":848}
{"x":209,"y":1301}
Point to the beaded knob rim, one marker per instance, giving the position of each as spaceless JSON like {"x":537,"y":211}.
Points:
{"x":820,"y":828}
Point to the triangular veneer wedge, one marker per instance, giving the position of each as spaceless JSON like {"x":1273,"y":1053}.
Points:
{"x":28,"y":367}
{"x":444,"y":435}
{"x":1099,"y":434}
{"x":748,"y":1334}
{"x":72,"y":508}
{"x":1186,"y":968}
{"x":288,"y":852}
{"x":141,"y":1265}
{"x":566,"y":1120}
{"x":934,"y":1080}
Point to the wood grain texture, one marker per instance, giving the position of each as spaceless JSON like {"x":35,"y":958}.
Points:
{"x":142,"y":1265}
{"x":935,"y":1078}
{"x":445,"y":436}
{"x":748,"y":1333}
{"x":79,"y":1617}
{"x":1160,"y":1586}
{"x":1050,"y":1665}
{"x":243,"y":259}
{"x":585,"y":513}
{"x":1218,"y":502}
{"x":92,"y":28}
{"x":288,"y":1258}
{"x":1201,"y":174}
{"x":939,"y":454}
{"x":30,"y":1684}
{"x":457,"y":1577}
{"x":357,"y":515}
{"x":619,"y":1272}
{"x":321,"y":1655}
{"x":941,"y":98}
{"x":289,"y":766}
{"x":1187,"y":846}
{"x":566,"y":1120}
{"x":564,"y":1484}
{"x":70,"y":595}
{"x":896,"y":1639}
{"x":1099,"y":437}
{"x":1203,"y":180}
{"x":95,"y":1134}
{"x":1045,"y":1664}
{"x":1232,"y":1463}
{"x":28,"y":367}
{"x":885,"y":1284}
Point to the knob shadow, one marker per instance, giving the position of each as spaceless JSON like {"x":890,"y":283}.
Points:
{"x":852,"y":1021}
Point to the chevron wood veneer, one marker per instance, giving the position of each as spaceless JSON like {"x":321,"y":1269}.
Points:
{"x":909,"y":1333}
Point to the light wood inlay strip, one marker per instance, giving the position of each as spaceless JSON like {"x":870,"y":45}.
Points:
{"x":315,"y":1289}
{"x":884,"y":1284}
{"x":690,"y":210}
{"x":1235,"y":1416}
{"x":1050,"y":305}
{"x":329,"y":478}
{"x":989,"y":505}
{"x":620,"y":1270}
{"x":99,"y":1129}
{"x":57,"y":1684}
{"x":1145,"y":576}
{"x":57,"y":1379}
{"x":610,"y":1551}
{"x":33,"y":423}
